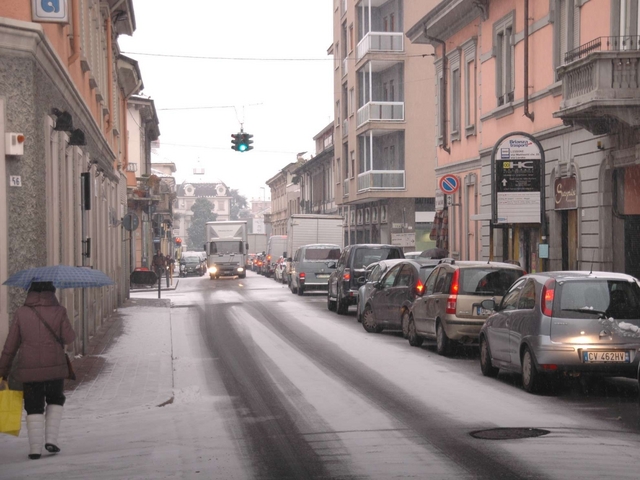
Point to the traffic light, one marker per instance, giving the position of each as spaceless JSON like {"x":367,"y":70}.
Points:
{"x":241,"y":142}
{"x":236,"y":141}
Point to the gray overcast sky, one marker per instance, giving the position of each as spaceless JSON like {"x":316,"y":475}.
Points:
{"x":283,"y":103}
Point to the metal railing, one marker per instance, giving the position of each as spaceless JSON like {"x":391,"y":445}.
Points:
{"x":381,"y":180}
{"x":381,"y":111}
{"x":612,"y":44}
{"x":380,"y":42}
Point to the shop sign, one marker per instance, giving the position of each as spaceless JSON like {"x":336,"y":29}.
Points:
{"x":565,"y":193}
{"x":403,"y":239}
{"x":50,"y":11}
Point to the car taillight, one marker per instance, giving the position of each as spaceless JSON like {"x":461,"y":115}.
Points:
{"x":419,"y":288}
{"x":346,"y":276}
{"x":546,"y":299}
{"x":452,"y":301}
{"x":302,"y":276}
{"x":268,"y":258}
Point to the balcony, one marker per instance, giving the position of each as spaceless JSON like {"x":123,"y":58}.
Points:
{"x":345,"y":127}
{"x":380,"y":112}
{"x":600,"y":85}
{"x":381,"y":180}
{"x":380,"y":42}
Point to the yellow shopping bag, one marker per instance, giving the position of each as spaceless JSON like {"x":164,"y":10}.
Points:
{"x":10,"y":411}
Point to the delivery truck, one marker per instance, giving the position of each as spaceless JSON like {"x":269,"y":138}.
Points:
{"x":307,"y":229}
{"x":227,"y":248}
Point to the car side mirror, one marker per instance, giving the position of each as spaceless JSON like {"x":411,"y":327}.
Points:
{"x":489,"y":304}
{"x":332,"y":265}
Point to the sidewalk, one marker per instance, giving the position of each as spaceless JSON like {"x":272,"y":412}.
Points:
{"x":110,"y":421}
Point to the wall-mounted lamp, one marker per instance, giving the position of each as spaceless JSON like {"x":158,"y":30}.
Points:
{"x":64,"y":121}
{"x":77,"y":138}
{"x":600,"y":145}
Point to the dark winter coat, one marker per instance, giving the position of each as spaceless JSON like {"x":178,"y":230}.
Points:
{"x":40,"y":356}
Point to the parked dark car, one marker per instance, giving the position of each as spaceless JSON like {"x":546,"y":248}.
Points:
{"x":372,"y":274}
{"x":343,"y":282}
{"x":564,"y":323}
{"x":392,"y":296}
{"x":450,"y":310}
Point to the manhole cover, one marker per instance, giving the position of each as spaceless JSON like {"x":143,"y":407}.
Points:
{"x":509,"y":433}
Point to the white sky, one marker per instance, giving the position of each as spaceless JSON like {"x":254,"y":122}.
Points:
{"x":284,"y":104}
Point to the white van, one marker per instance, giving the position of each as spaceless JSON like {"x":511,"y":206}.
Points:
{"x":276,"y":248}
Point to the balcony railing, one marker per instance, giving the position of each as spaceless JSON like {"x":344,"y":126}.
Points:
{"x":381,"y":180}
{"x":600,"y":85}
{"x":345,"y":187}
{"x":381,"y":111}
{"x":615,"y":44}
{"x":345,"y":127}
{"x":345,"y":66}
{"x":380,"y":42}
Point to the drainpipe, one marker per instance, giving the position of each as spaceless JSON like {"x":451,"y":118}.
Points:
{"x":109,"y":73}
{"x":443,"y":111}
{"x":75,"y":21}
{"x":527,"y":113}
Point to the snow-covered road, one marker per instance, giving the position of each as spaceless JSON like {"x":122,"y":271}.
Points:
{"x":255,"y":382}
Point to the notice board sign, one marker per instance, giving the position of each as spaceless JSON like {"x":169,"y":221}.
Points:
{"x":517,"y":179}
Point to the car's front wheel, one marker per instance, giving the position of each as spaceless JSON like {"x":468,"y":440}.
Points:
{"x":488,"y":370}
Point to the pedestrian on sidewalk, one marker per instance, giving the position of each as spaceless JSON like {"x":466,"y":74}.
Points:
{"x":170,"y":266}
{"x":41,"y":365}
{"x":159,"y":264}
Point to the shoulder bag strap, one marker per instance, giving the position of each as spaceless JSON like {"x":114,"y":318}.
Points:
{"x":58,"y":339}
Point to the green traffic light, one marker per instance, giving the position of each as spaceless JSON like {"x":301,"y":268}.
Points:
{"x":242,"y":147}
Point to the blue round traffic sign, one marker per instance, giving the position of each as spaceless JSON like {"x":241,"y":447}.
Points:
{"x":449,"y":184}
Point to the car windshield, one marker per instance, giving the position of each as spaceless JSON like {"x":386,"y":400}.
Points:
{"x":191,"y":259}
{"x":617,"y":299}
{"x":425,"y":271}
{"x":366,"y":256}
{"x":487,"y":280}
{"x":321,"y":254}
{"x":226,"y":247}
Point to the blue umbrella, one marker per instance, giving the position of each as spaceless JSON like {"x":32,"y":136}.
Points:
{"x":62,"y":276}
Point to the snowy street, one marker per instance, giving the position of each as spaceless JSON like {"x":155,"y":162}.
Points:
{"x":240,"y":379}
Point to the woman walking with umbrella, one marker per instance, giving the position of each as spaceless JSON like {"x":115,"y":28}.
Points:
{"x":40,"y":329}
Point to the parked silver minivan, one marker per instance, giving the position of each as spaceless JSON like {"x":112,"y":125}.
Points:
{"x":311,"y":267}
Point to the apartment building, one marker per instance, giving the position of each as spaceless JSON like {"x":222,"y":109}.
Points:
{"x":564,"y":72}
{"x":384,"y":124}
{"x":316,"y":176}
{"x":63,"y":94}
{"x":285,"y":198}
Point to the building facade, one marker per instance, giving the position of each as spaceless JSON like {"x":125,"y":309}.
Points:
{"x":384,"y":119}
{"x":316,"y":176}
{"x":285,"y":198}
{"x":566,"y":73}
{"x":63,"y":92}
